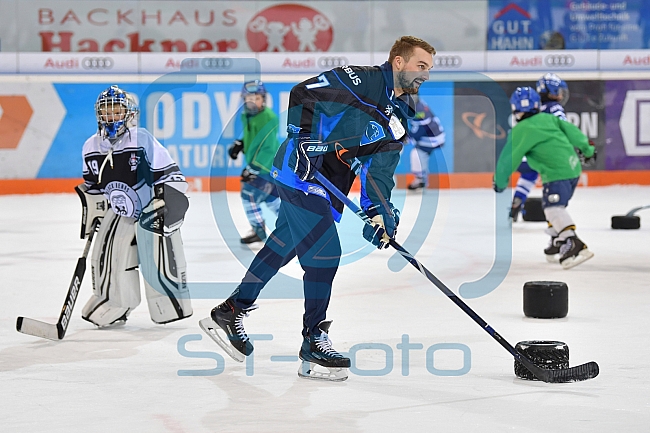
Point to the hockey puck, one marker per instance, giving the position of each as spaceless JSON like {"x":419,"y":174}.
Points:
{"x":546,"y":299}
{"x":532,"y":210}
{"x":626,"y":222}
{"x":544,"y":354}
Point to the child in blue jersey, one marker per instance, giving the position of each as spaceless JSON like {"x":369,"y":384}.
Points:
{"x":426,"y":133}
{"x":554,"y":94}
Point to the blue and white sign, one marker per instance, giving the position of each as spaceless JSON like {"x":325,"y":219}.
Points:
{"x":571,"y":25}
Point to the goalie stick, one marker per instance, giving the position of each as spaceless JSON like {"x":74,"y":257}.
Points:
{"x":572,"y":374}
{"x":56,"y":332}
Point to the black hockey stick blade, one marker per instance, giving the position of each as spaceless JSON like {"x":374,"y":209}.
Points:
{"x":578,"y":373}
{"x":574,"y":374}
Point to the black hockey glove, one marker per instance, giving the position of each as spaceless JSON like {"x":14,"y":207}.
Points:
{"x":249,"y":174}
{"x":384,"y":227}
{"x":495,"y":187}
{"x":307,"y":158}
{"x":587,"y":161}
{"x":236,"y":147}
{"x":165,"y":212}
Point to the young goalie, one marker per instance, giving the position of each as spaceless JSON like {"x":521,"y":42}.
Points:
{"x":138,"y":192}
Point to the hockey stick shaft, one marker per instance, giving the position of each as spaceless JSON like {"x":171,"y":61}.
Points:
{"x":578,"y":373}
{"x":636,"y":209}
{"x":57,"y":331}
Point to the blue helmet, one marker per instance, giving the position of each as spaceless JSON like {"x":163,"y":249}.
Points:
{"x":114,"y":110}
{"x":525,"y":100}
{"x":550,"y":86}
{"x":255,"y":87}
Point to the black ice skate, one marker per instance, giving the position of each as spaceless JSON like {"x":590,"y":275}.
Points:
{"x":516,"y":208}
{"x":552,"y":251}
{"x":318,"y":350}
{"x":227,"y":318}
{"x":573,"y":252}
{"x":256,"y":235}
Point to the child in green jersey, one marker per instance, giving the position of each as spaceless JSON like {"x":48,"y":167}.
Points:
{"x":548,"y":143}
{"x":259,"y":143}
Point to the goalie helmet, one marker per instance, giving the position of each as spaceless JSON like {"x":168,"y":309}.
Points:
{"x":114,"y":110}
{"x":251,"y":88}
{"x":552,"y":87}
{"x":525,"y":100}
{"x":136,"y":109}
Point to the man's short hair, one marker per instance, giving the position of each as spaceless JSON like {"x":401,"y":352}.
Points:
{"x":405,"y":46}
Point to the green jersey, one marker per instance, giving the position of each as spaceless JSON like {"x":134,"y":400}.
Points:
{"x":548,"y":143}
{"x":260,"y":139}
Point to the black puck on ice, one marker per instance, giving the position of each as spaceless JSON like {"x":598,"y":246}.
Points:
{"x":546,"y":299}
{"x":545,"y":354}
{"x":533,"y":210}
{"x":626,"y":222}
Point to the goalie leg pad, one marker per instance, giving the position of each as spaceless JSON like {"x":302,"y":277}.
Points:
{"x":116,"y":282}
{"x":163,"y":267}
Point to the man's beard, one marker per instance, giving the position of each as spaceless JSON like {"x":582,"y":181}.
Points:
{"x":411,"y":87}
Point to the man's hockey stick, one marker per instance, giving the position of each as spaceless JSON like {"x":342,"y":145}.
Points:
{"x":57,"y":331}
{"x":573,"y":374}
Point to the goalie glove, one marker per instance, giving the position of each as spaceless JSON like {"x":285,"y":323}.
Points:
{"x":165,"y":212}
{"x":384,"y":225}
{"x":236,"y":147}
{"x":93,"y":206}
{"x":307,"y":157}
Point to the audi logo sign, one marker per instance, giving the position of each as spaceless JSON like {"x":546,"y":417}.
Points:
{"x":560,"y":60}
{"x":97,"y":63}
{"x":331,"y":62}
{"x":447,"y":61}
{"x":216,"y":63}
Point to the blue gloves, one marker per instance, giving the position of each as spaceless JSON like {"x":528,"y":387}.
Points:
{"x":308,"y":156}
{"x":384,"y":227}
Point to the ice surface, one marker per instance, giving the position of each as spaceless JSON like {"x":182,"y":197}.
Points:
{"x":136,"y":379}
